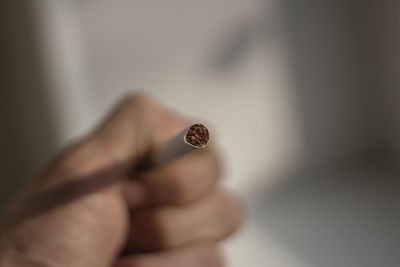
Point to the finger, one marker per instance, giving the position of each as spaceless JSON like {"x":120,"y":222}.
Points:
{"x":136,"y":125}
{"x":183,"y":180}
{"x":211,"y":218}
{"x":199,"y":255}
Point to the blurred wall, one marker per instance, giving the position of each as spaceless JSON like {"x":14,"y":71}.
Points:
{"x":27,"y":135}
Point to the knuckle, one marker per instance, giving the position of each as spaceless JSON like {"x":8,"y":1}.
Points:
{"x":211,"y":256}
{"x":232,"y":212}
{"x":139,"y":100}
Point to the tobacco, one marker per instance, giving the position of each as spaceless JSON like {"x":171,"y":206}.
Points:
{"x":197,"y":135}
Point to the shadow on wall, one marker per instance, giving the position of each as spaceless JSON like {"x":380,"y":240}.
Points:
{"x":26,"y":137}
{"x":346,"y":215}
{"x":343,"y":59}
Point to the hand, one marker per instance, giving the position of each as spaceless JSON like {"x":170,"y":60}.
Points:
{"x":91,"y":208}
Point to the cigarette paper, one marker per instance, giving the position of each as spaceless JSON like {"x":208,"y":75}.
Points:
{"x":189,"y":140}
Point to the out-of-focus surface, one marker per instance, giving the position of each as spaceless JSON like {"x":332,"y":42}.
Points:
{"x":302,"y":96}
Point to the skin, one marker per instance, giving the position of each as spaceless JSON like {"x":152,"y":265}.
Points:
{"x":91,"y":207}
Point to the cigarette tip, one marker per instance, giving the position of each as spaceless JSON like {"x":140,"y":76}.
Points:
{"x":197,"y":135}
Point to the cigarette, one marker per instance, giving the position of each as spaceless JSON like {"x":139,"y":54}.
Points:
{"x":191,"y":139}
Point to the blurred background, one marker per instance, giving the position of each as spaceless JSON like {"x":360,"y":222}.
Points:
{"x":304,"y":96}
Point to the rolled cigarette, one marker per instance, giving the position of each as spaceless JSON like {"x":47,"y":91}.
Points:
{"x":189,"y":140}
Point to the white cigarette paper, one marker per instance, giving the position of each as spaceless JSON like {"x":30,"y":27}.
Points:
{"x":189,"y":140}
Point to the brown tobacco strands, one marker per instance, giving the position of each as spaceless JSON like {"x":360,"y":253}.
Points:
{"x":191,"y":139}
{"x":197,"y":135}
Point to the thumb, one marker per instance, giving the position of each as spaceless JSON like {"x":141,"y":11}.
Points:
{"x":133,"y":128}
{"x":137,"y":124}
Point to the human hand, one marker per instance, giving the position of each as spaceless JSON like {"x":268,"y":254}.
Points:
{"x":90,"y":207}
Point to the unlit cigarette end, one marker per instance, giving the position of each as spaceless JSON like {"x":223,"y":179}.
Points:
{"x":197,"y":135}
{"x":191,"y":139}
